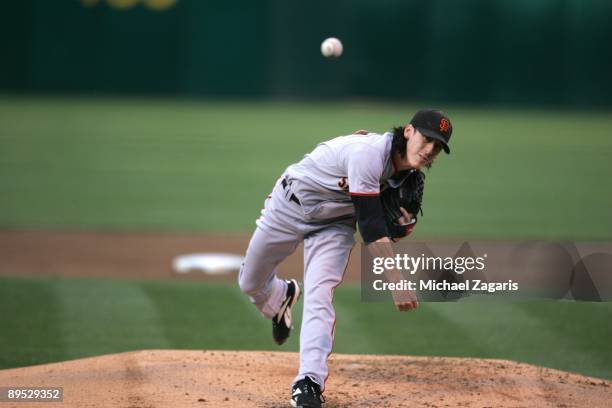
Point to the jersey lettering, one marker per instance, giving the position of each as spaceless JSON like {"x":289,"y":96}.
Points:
{"x":343,"y":184}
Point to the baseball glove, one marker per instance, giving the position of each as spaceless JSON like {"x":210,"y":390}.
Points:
{"x":409,"y":195}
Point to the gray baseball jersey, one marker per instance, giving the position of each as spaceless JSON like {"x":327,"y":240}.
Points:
{"x":311,"y":203}
{"x":355,"y":164}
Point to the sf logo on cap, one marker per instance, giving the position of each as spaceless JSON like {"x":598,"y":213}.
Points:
{"x":444,"y":125}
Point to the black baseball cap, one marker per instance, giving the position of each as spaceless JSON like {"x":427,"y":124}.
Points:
{"x":435,"y":124}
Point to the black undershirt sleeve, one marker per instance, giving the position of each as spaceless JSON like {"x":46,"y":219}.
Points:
{"x":370,"y":218}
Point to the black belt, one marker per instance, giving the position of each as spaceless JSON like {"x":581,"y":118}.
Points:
{"x":293,"y":198}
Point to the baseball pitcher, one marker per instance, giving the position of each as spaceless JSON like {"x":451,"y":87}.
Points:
{"x":366,"y":179}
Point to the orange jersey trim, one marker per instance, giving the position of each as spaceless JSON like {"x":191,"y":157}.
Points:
{"x":365,"y":194}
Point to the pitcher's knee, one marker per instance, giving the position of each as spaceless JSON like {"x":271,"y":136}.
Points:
{"x":320,"y":296}
{"x":248,"y":286}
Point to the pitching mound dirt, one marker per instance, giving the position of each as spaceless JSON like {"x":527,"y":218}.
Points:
{"x":163,"y":378}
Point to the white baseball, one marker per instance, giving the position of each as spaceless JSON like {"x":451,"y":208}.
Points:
{"x":331,"y":48}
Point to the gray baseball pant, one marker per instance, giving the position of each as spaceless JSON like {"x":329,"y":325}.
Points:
{"x":327,"y":247}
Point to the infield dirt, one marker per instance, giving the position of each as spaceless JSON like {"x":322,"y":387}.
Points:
{"x":165,"y":378}
{"x":126,"y":255}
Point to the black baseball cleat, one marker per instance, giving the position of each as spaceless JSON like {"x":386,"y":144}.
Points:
{"x":281,"y":323}
{"x":306,"y":394}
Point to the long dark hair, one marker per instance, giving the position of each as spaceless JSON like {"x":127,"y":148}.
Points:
{"x":399,"y":142}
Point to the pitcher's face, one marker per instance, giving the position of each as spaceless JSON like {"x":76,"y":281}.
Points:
{"x":420,"y":150}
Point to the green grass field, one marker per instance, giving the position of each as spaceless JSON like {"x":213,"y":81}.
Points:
{"x":128,"y":164}
{"x":164,"y":164}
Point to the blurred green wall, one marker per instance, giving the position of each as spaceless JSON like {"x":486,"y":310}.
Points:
{"x":474,"y":51}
